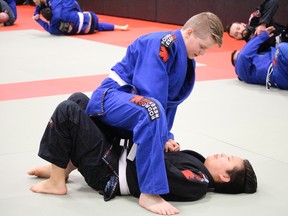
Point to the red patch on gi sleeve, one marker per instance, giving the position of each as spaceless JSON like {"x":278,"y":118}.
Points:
{"x":136,"y":99}
{"x":163,"y":53}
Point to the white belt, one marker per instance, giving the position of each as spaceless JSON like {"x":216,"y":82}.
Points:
{"x":269,"y":73}
{"x":81,"y":20}
{"x":89,"y":24}
{"x":124,"y":189}
{"x":113,"y":75}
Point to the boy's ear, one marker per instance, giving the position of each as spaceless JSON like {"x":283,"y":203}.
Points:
{"x":189,"y":31}
{"x":224,"y":178}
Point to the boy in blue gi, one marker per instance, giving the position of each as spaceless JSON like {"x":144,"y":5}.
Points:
{"x":73,"y":140}
{"x":143,"y":91}
{"x":74,"y":22}
{"x":268,"y":68}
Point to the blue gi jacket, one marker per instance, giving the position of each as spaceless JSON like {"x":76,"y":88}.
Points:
{"x":156,"y":65}
{"x":61,"y":11}
{"x":252,"y":67}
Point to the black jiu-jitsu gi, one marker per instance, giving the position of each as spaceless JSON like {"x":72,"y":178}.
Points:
{"x":71,"y":135}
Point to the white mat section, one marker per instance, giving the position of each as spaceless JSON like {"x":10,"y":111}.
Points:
{"x":36,"y":55}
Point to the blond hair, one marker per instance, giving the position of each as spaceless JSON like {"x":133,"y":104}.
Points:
{"x":205,"y":24}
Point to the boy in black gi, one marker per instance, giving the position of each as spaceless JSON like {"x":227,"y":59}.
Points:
{"x":73,"y":140}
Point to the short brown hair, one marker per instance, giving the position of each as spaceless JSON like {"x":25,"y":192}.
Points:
{"x":206,"y":23}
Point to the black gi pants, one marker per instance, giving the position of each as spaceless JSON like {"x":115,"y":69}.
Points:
{"x":72,"y":135}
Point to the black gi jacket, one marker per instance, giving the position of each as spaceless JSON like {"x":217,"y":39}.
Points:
{"x":188,"y":178}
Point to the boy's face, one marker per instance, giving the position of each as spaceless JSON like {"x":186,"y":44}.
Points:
{"x":196,"y":46}
{"x":219,"y":164}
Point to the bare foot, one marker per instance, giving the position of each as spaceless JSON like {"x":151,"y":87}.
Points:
{"x":157,"y":204}
{"x":41,"y":171}
{"x":45,"y":171}
{"x":124,"y":28}
{"x":121,"y":28}
{"x":49,"y":186}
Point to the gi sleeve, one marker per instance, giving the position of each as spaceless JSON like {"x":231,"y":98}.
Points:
{"x":37,"y":10}
{"x":51,"y":28}
{"x":245,"y":57}
{"x":268,"y":11}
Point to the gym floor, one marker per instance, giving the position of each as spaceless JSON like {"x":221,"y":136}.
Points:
{"x":222,"y":115}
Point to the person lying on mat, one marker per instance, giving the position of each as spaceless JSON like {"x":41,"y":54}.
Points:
{"x":268,"y":68}
{"x":73,"y":140}
{"x":7,"y":16}
{"x":74,"y":24}
{"x":73,"y":21}
{"x":258,"y":22}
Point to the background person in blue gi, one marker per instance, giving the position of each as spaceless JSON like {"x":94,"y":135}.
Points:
{"x":74,"y":22}
{"x":7,"y":14}
{"x":143,"y":91}
{"x":73,"y":140}
{"x":60,"y":8}
{"x":258,"y":22}
{"x":268,"y":68}
{"x":57,"y":6}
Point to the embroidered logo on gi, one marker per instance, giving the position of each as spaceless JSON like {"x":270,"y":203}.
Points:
{"x":66,"y":27}
{"x":190,"y":176}
{"x":166,"y":43}
{"x":148,"y":104}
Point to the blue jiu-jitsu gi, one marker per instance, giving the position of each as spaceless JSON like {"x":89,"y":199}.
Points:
{"x":266,"y":68}
{"x":60,"y":10}
{"x":142,"y":94}
{"x":71,"y":21}
{"x":66,"y":5}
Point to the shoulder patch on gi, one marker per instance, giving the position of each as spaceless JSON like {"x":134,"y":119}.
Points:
{"x":166,"y":43}
{"x":194,"y":176}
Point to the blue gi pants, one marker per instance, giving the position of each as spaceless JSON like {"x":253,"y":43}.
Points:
{"x":147,"y":119}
